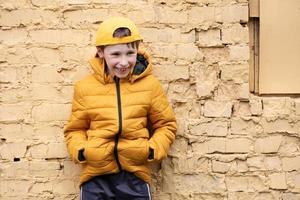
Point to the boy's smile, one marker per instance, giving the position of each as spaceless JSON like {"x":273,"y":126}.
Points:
{"x":120,"y":59}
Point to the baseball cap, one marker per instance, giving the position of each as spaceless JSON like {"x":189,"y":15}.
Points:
{"x":104,"y":34}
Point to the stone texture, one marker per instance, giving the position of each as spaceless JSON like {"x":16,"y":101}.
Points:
{"x":235,"y":73}
{"x":273,"y":163}
{"x":169,"y":16}
{"x":217,"y":109}
{"x":210,"y":128}
{"x":238,"y":145}
{"x":171,"y":73}
{"x":268,"y":145}
{"x":239,"y":53}
{"x":256,"y":106}
{"x":41,"y":169}
{"x":210,"y":38}
{"x":293,"y":181}
{"x":290,"y":196}
{"x":297,"y":105}
{"x":27,"y":17}
{"x":235,"y":34}
{"x":245,"y":184}
{"x":49,"y":112}
{"x":44,"y":37}
{"x":198,"y":183}
{"x":232,"y":13}
{"x":278,"y":181}
{"x":244,"y":127}
{"x":220,"y":167}
{"x":291,"y":163}
{"x":277,"y":107}
{"x":13,"y":37}
{"x":201,"y":16}
{"x":10,"y":151}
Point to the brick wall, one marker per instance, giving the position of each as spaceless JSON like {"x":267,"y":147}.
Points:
{"x":231,"y":145}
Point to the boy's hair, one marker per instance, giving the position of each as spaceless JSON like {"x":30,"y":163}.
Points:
{"x":123,"y":32}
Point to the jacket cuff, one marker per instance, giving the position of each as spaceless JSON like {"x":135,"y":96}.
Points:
{"x":79,"y":156}
{"x":152,"y":153}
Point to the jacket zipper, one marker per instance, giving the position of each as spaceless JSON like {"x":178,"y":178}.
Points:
{"x":117,"y":81}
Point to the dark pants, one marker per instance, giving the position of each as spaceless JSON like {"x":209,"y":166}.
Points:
{"x":121,"y":186}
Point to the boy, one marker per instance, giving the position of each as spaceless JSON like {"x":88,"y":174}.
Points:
{"x":107,"y":131}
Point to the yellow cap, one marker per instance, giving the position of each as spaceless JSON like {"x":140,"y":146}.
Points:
{"x":104,"y":34}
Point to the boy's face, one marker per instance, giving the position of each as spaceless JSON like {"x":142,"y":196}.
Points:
{"x":120,"y":59}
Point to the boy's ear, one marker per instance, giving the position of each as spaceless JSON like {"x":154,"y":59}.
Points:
{"x":100,"y":52}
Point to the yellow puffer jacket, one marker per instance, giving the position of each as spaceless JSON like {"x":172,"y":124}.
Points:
{"x":112,"y":128}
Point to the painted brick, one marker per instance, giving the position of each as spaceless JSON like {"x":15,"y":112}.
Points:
{"x":279,"y":125}
{"x":211,"y":128}
{"x":13,"y":188}
{"x":189,"y":52}
{"x":235,"y":73}
{"x":85,"y":17}
{"x":46,"y":74}
{"x":268,"y":145}
{"x":12,"y":170}
{"x":273,"y":163}
{"x":239,"y":53}
{"x":278,"y":181}
{"x":19,"y":17}
{"x":220,"y":167}
{"x":209,"y":38}
{"x":290,"y":196}
{"x":191,"y":165}
{"x":198,"y":183}
{"x":13,"y":37}
{"x":169,"y":16}
{"x":238,"y":145}
{"x":297,"y":106}
{"x":245,"y":183}
{"x":291,"y":164}
{"x":48,"y":3}
{"x":14,"y":112}
{"x":171,"y":72}
{"x":40,"y":169}
{"x":232,"y":13}
{"x":200,"y":15}
{"x":147,"y":16}
{"x":276,"y":106}
{"x":293,"y":180}
{"x":57,"y":37}
{"x":49,"y":112}
{"x":244,"y":127}
{"x":217,"y":109}
{"x":64,"y":187}
{"x":235,"y":34}
{"x":57,"y":150}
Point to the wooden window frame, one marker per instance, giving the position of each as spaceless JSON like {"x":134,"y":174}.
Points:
{"x":259,"y":80}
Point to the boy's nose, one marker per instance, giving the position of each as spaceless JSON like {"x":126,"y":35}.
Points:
{"x":124,"y":61}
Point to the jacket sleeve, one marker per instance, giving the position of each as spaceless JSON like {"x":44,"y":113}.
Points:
{"x":78,"y":124}
{"x":163,"y":122}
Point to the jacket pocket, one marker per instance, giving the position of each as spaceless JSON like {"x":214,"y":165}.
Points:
{"x":135,"y":152}
{"x":99,"y":156}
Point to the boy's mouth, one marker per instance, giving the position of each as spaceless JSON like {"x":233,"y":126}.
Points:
{"x":122,"y":70}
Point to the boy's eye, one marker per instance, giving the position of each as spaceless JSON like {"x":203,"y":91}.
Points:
{"x":115,"y":54}
{"x":131,"y":52}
